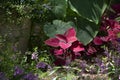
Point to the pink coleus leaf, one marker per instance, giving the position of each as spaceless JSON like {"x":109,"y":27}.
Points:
{"x":116,"y":28}
{"x":105,"y":38}
{"x":67,"y":39}
{"x":63,"y":41}
{"x":64,"y":45}
{"x":112,"y":35}
{"x":61,"y":37}
{"x":77,"y":47}
{"x":54,"y":42}
{"x":71,"y":35}
{"x":97,"y":41}
{"x":112,"y":23}
{"x":58,"y":52}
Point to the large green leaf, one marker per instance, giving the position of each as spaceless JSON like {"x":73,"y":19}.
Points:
{"x":89,"y":9}
{"x":57,"y":27}
{"x":59,"y":7}
{"x":86,"y":30}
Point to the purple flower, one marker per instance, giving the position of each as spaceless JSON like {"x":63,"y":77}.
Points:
{"x":49,"y":67}
{"x":118,"y":39}
{"x":18,"y":71}
{"x":101,"y":65}
{"x":41,"y":65}
{"x":117,"y":61}
{"x":103,"y":68}
{"x":14,"y":48}
{"x":118,"y":49}
{"x":99,"y":62}
{"x":31,"y":76}
{"x":107,"y":53}
{"x":2,"y":76}
{"x":83,"y":65}
{"x":34,"y":55}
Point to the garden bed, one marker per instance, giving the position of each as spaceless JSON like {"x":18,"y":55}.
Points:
{"x":60,"y":40}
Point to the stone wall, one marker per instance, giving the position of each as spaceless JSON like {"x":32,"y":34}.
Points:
{"x":15,"y":37}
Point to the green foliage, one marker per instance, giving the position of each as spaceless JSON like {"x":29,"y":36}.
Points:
{"x":57,"y":27}
{"x":90,"y":12}
{"x":59,"y":7}
{"x":13,"y":11}
{"x":89,"y":9}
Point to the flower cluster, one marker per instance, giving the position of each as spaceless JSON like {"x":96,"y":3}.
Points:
{"x":31,"y":76}
{"x":18,"y":71}
{"x":3,"y":76}
{"x":67,"y":47}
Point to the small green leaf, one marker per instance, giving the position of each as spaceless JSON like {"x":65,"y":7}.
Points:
{"x":59,"y":7}
{"x":55,"y":69}
{"x":55,"y":78}
{"x":118,"y":19}
{"x":70,"y":76}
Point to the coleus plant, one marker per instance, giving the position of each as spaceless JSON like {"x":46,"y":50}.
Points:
{"x":67,"y":46}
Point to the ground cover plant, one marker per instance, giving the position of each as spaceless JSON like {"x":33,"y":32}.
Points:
{"x":60,"y":40}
